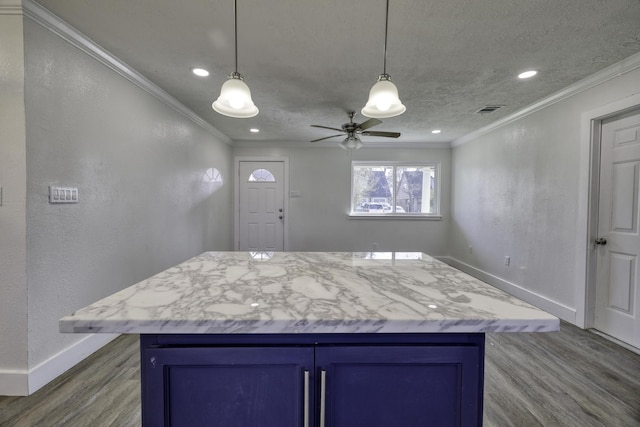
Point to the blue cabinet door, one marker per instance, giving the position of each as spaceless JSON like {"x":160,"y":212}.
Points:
{"x":400,"y":386}
{"x":227,"y":387}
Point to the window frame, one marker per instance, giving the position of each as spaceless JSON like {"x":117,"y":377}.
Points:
{"x":436,"y":215}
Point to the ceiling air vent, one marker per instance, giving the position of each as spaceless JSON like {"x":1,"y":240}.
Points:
{"x":488,"y":109}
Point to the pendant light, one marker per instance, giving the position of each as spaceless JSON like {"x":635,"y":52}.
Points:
{"x":235,"y":96}
{"x":383,"y":98}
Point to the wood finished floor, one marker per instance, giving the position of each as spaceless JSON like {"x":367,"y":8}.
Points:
{"x":570,"y":378}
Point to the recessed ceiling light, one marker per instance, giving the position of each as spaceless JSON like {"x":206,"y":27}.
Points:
{"x":254,"y":130}
{"x":436,"y":131}
{"x":527,"y":74}
{"x":200,"y":72}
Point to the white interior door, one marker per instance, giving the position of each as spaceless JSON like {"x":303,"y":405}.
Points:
{"x":617,"y":305}
{"x":261,"y":206}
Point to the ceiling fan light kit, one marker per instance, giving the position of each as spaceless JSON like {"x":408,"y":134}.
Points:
{"x":351,"y":142}
{"x":235,"y":96}
{"x":384,"y":100}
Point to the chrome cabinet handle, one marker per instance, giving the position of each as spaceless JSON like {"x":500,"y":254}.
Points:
{"x":306,"y":399}
{"x":323,"y":377}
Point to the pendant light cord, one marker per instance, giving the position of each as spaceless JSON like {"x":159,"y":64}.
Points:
{"x":235,"y":30}
{"x":386,"y":26}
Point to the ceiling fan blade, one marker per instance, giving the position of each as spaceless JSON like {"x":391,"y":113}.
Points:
{"x":368,"y":124}
{"x":386,"y":134}
{"x":326,"y":127}
{"x":326,"y":137}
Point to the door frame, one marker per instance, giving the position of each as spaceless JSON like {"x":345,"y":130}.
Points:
{"x":236,"y":197}
{"x":588,"y":203}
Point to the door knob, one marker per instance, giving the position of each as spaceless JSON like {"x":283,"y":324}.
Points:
{"x":601,"y":241}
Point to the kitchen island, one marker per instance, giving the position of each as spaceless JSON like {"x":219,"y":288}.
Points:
{"x":311,"y":339}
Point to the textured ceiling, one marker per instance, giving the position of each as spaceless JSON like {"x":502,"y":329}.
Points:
{"x":310,"y":61}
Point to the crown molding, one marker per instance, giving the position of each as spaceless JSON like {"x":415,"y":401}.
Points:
{"x":10,"y":10}
{"x":335,"y":144}
{"x":49,"y":21}
{"x":10,"y":7}
{"x":616,"y":70}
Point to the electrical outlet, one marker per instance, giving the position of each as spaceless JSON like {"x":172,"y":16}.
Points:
{"x":63,"y":194}
{"x":375,"y":246}
{"x":470,"y":249}
{"x":507,"y":260}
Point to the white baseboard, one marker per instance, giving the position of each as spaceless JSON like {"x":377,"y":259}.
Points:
{"x":26,"y":382}
{"x":559,"y":310}
{"x":14,"y":383}
{"x":629,"y":347}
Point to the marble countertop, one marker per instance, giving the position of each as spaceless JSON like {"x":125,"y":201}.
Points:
{"x":309,"y":292}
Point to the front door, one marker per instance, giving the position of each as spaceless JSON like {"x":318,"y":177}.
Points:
{"x":261,"y":206}
{"x":617,"y":311}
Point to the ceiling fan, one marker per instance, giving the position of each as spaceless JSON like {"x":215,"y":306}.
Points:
{"x":353,"y":130}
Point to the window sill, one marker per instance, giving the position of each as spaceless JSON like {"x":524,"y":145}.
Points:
{"x":396,"y":216}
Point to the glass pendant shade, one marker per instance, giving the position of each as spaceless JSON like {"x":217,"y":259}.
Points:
{"x":351,"y":142}
{"x":383,"y":100}
{"x":235,"y":99}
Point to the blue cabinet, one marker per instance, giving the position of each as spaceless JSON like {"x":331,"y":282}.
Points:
{"x":322,"y":380}
{"x":399,"y":386}
{"x":223,"y":387}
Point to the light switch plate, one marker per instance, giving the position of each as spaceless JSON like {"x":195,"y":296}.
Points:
{"x":63,"y":194}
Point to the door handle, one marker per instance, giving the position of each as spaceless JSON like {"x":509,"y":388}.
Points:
{"x":323,"y":389}
{"x":601,"y":241}
{"x":306,"y":399}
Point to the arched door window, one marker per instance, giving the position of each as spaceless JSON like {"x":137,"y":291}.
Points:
{"x":262,"y":175}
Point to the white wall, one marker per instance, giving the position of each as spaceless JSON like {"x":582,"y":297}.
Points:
{"x":139,"y":166}
{"x":13,"y":279}
{"x":518,"y":193}
{"x":318,"y":219}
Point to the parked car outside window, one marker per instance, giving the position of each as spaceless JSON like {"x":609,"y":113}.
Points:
{"x":374,"y":207}
{"x":381,"y":207}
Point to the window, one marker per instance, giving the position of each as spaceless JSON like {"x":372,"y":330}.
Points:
{"x":262,"y":175}
{"x":398,"y":189}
